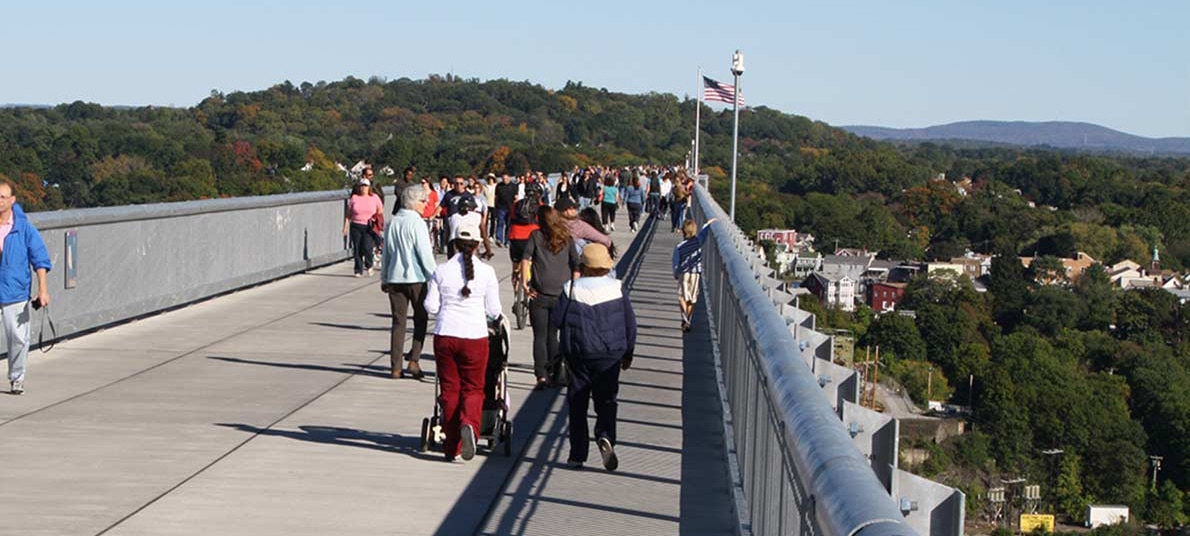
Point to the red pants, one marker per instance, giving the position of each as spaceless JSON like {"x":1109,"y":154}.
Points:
{"x":460,"y":364}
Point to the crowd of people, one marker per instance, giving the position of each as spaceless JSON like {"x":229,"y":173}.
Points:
{"x":557,"y":230}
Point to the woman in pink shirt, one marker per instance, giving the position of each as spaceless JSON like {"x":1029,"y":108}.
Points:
{"x":361,"y":208}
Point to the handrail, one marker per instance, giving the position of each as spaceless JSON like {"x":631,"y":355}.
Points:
{"x":777,"y":402}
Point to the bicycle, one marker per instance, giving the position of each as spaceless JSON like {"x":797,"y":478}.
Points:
{"x":520,"y":300}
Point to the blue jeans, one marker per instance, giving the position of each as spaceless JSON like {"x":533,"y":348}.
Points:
{"x":501,"y":226}
{"x":677,"y":212}
{"x":584,"y":202}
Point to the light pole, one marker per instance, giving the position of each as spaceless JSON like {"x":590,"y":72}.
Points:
{"x":737,"y":69}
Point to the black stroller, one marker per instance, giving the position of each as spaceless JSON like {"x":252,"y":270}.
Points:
{"x":496,"y":427}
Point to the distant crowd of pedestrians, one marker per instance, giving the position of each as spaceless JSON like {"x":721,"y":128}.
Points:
{"x":557,"y":229}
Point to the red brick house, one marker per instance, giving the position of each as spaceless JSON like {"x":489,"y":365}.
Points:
{"x":884,"y":297}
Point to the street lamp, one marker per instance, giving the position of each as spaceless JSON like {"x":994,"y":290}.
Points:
{"x":737,"y":69}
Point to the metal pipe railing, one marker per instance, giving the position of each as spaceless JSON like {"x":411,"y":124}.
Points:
{"x":801,"y":473}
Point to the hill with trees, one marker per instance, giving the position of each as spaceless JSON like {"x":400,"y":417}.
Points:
{"x":1056,"y":134}
{"x":1085,"y":367}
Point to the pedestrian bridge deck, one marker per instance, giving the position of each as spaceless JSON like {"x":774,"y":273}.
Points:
{"x":269,"y":411}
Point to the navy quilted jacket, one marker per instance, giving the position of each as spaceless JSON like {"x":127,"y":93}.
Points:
{"x":596,"y":321}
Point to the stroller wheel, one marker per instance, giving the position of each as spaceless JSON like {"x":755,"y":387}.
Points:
{"x":425,"y":436}
{"x":507,"y":439}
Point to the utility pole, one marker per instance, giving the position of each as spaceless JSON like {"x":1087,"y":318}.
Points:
{"x":876,"y":382}
{"x":930,"y":386}
{"x":1156,"y":467}
{"x":1054,"y":467}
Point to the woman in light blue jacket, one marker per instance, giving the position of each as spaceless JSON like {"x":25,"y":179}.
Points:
{"x":407,"y":264}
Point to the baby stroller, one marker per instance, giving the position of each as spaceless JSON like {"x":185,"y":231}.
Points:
{"x":495,"y":426}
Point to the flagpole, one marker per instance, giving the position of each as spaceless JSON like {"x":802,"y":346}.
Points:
{"x":697,"y":120}
{"x":737,"y":68}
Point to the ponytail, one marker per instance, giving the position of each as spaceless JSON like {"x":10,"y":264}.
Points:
{"x":467,"y":249}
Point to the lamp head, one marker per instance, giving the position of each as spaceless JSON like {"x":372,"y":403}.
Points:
{"x":737,"y":63}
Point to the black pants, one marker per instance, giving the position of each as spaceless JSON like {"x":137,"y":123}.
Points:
{"x":608,"y":210}
{"x":598,"y":380}
{"x":545,"y":335}
{"x":361,"y":244}
{"x":633,"y":214}
{"x":400,"y":297}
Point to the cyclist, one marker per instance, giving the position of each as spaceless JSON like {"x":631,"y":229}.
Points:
{"x":523,"y":223}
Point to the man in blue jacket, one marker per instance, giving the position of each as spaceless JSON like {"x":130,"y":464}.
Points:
{"x":597,"y":332}
{"x":20,"y":247}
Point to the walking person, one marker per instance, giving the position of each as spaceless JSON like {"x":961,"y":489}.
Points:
{"x":634,"y":198}
{"x":362,"y":207}
{"x":609,"y":199}
{"x":21,"y":247}
{"x":463,"y":294}
{"x":687,"y":267}
{"x":598,"y":338}
{"x":505,"y":196}
{"x":677,"y":208}
{"x":405,"y":267}
{"x":654,"y":202}
{"x":554,"y":260}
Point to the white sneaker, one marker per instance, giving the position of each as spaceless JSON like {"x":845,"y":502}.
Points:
{"x":610,"y":460}
{"x":369,"y":272}
{"x":467,"y":449}
{"x":17,"y":387}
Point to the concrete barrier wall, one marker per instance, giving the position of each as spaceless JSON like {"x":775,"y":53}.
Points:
{"x":134,"y":260}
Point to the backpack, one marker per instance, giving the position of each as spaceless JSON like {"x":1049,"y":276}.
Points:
{"x":525,"y":210}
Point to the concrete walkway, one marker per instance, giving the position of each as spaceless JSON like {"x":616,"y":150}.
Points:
{"x":269,"y":411}
{"x":672,"y":478}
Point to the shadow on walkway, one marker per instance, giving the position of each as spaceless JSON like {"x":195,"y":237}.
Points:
{"x":333,"y":435}
{"x":363,"y":369}
{"x":349,"y":326}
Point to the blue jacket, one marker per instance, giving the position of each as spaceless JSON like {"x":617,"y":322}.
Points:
{"x":688,"y":254}
{"x":22,"y":247}
{"x":598,"y":323}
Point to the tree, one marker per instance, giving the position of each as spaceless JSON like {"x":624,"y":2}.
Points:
{"x":1165,"y":507}
{"x":1009,"y":289}
{"x":1068,"y":491}
{"x":897,"y":335}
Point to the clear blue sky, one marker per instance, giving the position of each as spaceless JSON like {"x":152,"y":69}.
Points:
{"x":901,"y":64}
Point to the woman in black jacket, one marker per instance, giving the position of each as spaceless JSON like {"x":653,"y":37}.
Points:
{"x":554,"y":260}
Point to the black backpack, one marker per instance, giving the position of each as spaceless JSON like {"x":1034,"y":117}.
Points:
{"x":525,"y":210}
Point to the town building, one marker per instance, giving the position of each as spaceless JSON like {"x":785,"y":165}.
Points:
{"x":833,"y":290}
{"x":883,"y":296}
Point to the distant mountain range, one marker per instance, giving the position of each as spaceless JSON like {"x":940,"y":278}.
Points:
{"x":1060,"y":134}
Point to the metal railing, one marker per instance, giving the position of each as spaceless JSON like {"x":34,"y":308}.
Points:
{"x":799,"y":469}
{"x":113,"y":264}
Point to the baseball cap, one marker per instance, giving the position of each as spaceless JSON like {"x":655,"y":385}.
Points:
{"x":595,"y":255}
{"x":365,"y":182}
{"x":469,"y":231}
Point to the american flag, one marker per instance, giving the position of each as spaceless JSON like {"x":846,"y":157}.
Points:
{"x":718,"y":91}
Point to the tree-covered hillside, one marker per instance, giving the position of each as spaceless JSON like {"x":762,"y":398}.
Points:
{"x":794,"y":172}
{"x":1098,"y":372}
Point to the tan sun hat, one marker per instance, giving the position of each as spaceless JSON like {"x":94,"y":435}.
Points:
{"x":595,"y":255}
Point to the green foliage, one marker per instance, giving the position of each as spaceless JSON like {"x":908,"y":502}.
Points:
{"x":922,"y":380}
{"x":1165,"y":508}
{"x":897,"y":337}
{"x":1068,"y":490}
{"x":973,"y":449}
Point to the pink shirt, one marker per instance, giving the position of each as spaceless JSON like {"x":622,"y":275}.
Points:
{"x":360,"y":209}
{"x":5,"y":228}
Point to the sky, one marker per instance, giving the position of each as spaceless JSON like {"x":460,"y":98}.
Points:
{"x":899,"y":64}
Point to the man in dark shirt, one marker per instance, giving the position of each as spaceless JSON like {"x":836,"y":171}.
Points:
{"x":505,"y":195}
